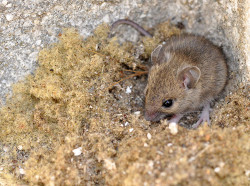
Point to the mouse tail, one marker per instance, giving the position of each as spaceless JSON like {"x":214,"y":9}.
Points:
{"x":130,"y":23}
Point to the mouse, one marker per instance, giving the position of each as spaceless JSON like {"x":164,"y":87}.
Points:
{"x":187,"y":73}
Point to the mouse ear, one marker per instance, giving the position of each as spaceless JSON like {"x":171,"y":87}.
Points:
{"x":155,"y":54}
{"x":159,"y":56}
{"x":189,"y":76}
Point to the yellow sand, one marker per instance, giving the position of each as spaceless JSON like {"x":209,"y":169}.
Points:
{"x":70,"y":103}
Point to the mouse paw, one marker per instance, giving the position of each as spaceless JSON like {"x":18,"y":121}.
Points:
{"x":201,"y":121}
{"x":204,"y":118}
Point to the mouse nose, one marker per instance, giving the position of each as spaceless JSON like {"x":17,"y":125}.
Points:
{"x":150,"y":115}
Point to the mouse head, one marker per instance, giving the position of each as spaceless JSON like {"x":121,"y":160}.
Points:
{"x":170,"y":83}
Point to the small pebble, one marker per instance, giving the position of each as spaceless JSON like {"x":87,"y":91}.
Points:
{"x":145,"y":145}
{"x":5,"y":149}
{"x":4,"y":2}
{"x":9,"y":5}
{"x":163,"y":174}
{"x":77,"y":151}
{"x":20,"y":147}
{"x":170,"y":144}
{"x":106,"y":19}
{"x":159,"y":152}
{"x":109,"y":164}
{"x":131,"y":130}
{"x":128,"y":89}
{"x":27,"y":24}
{"x":173,"y":128}
{"x":9,"y":17}
{"x":59,"y":8}
{"x":126,"y":124}
{"x":137,"y":112}
{"x":221,"y":164}
{"x":217,"y":169}
{"x":151,"y":164}
{"x":247,"y":173}
{"x":36,"y":22}
{"x":149,"y":136}
{"x":22,"y":171}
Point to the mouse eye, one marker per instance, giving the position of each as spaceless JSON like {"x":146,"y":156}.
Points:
{"x":167,"y":103}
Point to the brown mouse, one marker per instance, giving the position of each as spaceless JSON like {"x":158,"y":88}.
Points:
{"x":188,"y":72}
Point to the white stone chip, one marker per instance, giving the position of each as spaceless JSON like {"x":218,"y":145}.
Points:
{"x":22,"y":171}
{"x":149,"y":136}
{"x":173,"y":128}
{"x":217,"y":169}
{"x":151,"y":164}
{"x":169,"y":144}
{"x":126,"y":123}
{"x":106,"y":19}
{"x":77,"y":151}
{"x":131,"y":130}
{"x":27,"y":24}
{"x":137,"y":112}
{"x":128,"y":89}
{"x":159,"y":152}
{"x":109,"y":164}
{"x":20,"y":147}
{"x":247,"y":173}
{"x":9,"y":17}
{"x":36,"y":22}
{"x":4,"y":2}
{"x":9,"y":5}
{"x":5,"y":149}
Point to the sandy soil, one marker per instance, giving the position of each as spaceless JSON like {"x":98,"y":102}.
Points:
{"x":71,"y":123}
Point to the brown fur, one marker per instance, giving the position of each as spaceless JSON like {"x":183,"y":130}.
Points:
{"x":165,"y":79}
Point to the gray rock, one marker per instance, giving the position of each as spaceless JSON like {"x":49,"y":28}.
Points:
{"x":28,"y":26}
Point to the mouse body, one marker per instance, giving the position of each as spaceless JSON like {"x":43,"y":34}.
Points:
{"x":188,"y":72}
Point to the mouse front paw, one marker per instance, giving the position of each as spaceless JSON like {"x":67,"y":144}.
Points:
{"x":201,"y":121}
{"x":204,"y":118}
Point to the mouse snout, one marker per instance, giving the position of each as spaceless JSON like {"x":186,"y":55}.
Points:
{"x":149,"y":116}
{"x":152,"y":115}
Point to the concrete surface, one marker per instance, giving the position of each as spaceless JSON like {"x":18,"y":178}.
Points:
{"x":28,"y":26}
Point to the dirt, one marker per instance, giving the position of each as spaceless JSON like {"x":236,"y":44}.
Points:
{"x":71,"y":123}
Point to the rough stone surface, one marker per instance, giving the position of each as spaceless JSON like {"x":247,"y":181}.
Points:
{"x":27,"y":26}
